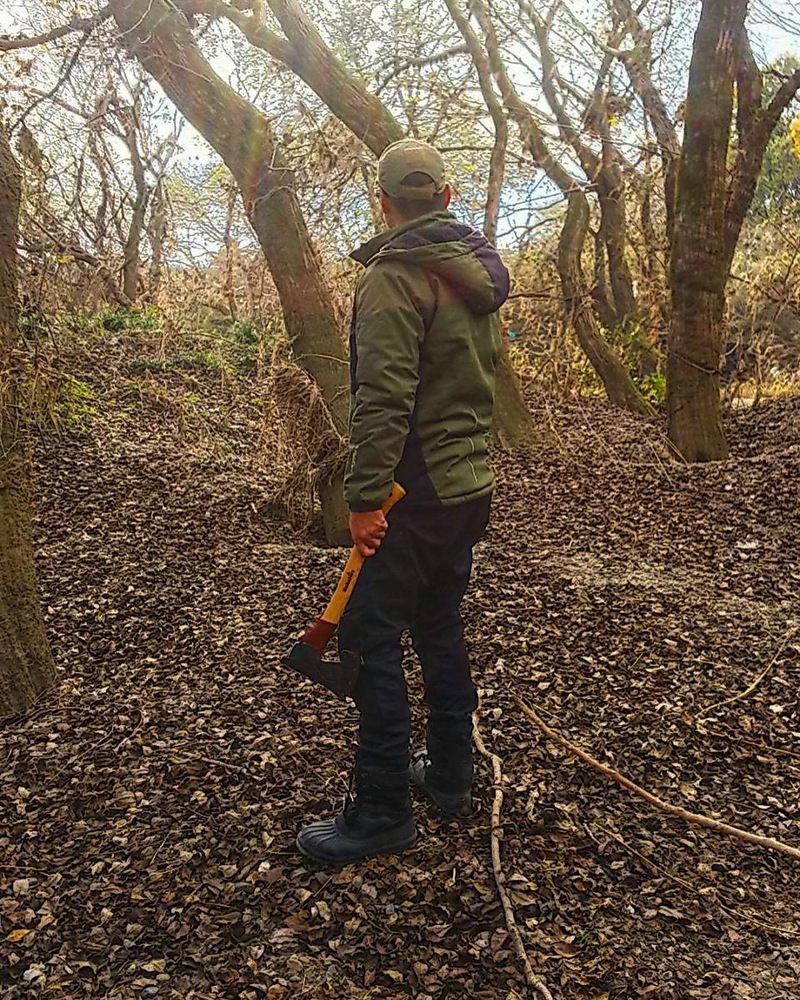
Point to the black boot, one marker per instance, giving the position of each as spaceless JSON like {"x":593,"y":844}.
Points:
{"x":377,"y":821}
{"x":444,"y":772}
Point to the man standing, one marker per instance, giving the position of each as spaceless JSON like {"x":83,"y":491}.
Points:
{"x":424,"y":343}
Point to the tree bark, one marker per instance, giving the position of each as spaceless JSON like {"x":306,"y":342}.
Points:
{"x":26,"y":665}
{"x":513,"y":427}
{"x":700,"y":256}
{"x":157,"y":232}
{"x":711,"y":210}
{"x":159,"y":36}
{"x":600,"y":297}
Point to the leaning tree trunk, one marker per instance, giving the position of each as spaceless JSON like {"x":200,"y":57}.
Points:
{"x":620,"y":390}
{"x":700,"y":255}
{"x":26,"y":666}
{"x":159,"y":36}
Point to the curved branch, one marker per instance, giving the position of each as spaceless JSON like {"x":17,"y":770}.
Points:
{"x":85,"y":24}
{"x":498,"y":159}
{"x":418,"y":62}
{"x":257,"y":33}
{"x":589,"y":160}
{"x":697,"y":819}
{"x":307,"y":54}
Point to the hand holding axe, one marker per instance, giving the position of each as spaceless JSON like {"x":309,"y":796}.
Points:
{"x":306,"y":656}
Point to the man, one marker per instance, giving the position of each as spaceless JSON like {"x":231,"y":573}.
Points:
{"x":423,"y":347}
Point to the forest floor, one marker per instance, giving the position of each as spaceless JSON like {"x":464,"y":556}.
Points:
{"x":149,"y":803}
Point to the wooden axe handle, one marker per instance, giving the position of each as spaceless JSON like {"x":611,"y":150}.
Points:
{"x":321,"y":632}
{"x":335,"y":610}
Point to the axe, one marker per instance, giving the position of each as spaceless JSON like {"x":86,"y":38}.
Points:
{"x":306,"y":656}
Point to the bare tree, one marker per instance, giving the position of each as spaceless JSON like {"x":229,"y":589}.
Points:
{"x":97,"y":155}
{"x":577,"y":298}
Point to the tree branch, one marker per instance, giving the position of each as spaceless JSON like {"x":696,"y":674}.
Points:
{"x":754,"y":135}
{"x":637,"y":63}
{"x":533,"y":981}
{"x":696,"y":819}
{"x":315,"y":63}
{"x":85,"y":24}
{"x":589,"y":160}
{"x":498,"y":159}
{"x":418,"y":62}
{"x":62,"y":77}
{"x":257,"y":33}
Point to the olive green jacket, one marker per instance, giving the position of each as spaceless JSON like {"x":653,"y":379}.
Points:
{"x":424,"y":343}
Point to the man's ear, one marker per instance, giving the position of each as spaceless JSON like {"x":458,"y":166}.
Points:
{"x":448,"y":194}
{"x":386,"y":207}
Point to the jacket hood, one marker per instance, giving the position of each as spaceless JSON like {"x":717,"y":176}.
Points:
{"x":458,"y":254}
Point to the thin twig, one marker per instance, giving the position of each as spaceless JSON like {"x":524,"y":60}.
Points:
{"x":67,"y":69}
{"x":746,"y":694}
{"x":535,"y":982}
{"x":689,"y":817}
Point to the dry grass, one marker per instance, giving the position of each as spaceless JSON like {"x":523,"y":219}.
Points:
{"x":300,"y":439}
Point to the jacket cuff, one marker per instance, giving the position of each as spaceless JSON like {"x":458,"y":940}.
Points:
{"x":364,"y":506}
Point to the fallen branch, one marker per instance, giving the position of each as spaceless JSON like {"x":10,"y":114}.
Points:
{"x":535,"y":982}
{"x":746,"y":694}
{"x":689,"y":817}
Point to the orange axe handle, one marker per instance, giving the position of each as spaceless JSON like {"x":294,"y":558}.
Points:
{"x":321,"y":632}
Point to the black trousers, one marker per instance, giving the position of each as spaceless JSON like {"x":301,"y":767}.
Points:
{"x":415,"y":582}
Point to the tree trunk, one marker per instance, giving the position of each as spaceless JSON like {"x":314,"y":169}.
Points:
{"x":600,"y":297}
{"x":618,"y":385}
{"x":26,"y":665}
{"x":157,"y":232}
{"x":613,"y":229}
{"x":159,"y":36}
{"x":231,"y":255}
{"x":131,"y":260}
{"x":512,"y":423}
{"x":700,"y":254}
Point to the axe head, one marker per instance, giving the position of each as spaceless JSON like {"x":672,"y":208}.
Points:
{"x":338,"y":676}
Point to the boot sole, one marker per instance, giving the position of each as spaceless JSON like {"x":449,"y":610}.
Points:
{"x":396,"y":847}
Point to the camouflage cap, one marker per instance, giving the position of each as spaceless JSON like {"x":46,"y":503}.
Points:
{"x":410,"y":156}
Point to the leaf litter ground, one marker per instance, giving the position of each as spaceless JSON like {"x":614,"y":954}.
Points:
{"x":149,"y":803}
